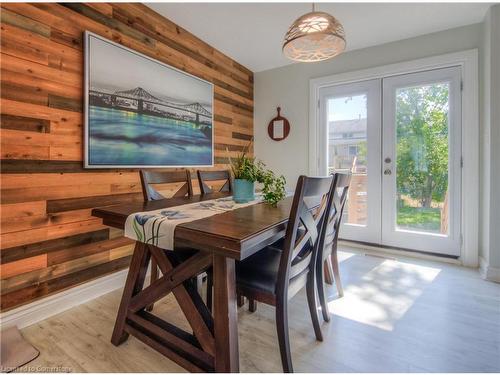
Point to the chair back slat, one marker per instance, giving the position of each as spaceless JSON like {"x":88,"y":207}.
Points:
{"x":208,"y":176}
{"x":335,"y":208}
{"x":149,"y":178}
{"x":303,"y":231}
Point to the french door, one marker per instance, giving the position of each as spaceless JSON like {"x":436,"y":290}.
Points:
{"x":400,"y":137}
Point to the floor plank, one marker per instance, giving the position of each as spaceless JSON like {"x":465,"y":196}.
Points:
{"x":397,"y":315}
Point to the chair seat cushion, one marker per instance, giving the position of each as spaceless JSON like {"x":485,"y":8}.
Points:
{"x":259,"y":271}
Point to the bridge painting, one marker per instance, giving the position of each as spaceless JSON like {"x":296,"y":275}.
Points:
{"x":143,"y":113}
{"x":142,"y":102}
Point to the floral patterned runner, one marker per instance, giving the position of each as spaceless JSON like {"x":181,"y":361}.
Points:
{"x":157,"y":227}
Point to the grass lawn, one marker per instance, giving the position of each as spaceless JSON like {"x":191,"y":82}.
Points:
{"x":428,"y":219}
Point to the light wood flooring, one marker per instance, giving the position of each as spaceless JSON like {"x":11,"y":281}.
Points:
{"x":401,"y":315}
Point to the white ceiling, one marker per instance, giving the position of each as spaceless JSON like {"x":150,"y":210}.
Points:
{"x":252,"y":33}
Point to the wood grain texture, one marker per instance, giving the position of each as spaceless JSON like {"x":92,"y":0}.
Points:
{"x":46,"y":194}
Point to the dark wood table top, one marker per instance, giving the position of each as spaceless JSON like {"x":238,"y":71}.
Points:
{"x":237,"y":234}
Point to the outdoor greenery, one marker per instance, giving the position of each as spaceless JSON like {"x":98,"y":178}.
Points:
{"x":248,"y":168}
{"x":419,"y":218}
{"x":422,"y":144}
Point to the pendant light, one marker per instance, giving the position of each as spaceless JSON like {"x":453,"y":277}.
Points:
{"x":316,"y":36}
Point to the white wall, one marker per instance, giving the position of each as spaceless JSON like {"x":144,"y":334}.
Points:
{"x":288,"y":87}
{"x":495,"y":141}
{"x":490,"y":157}
{"x":485,"y":165}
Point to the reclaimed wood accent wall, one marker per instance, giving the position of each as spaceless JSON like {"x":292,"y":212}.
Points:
{"x":49,"y":240}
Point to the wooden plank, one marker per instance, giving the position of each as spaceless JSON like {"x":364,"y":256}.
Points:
{"x":121,"y":252}
{"x":44,"y":16}
{"x":220,"y":118}
{"x":25,"y":23}
{"x":65,"y":153}
{"x":61,"y":256}
{"x":49,"y":233}
{"x":244,"y":108}
{"x":34,"y":292}
{"x":23,"y":51}
{"x":9,"y":151}
{"x":16,"y":64}
{"x":246,"y":137}
{"x":29,"y":139}
{"x":41,"y":275}
{"x":11,"y":181}
{"x":24,"y":124}
{"x":22,"y":210}
{"x":41,"y":83}
{"x":106,"y":9}
{"x":59,"y":192}
{"x":56,"y":166}
{"x":38,"y":221}
{"x":61,"y":205}
{"x":61,"y":102}
{"x":70,"y":40}
{"x":26,"y":94}
{"x":24,"y":251}
{"x":14,"y":108}
{"x":58,"y":56}
{"x":11,"y":269}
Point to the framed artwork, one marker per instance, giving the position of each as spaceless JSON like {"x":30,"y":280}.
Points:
{"x":142,"y":113}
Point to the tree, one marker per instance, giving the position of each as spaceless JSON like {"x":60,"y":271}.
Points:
{"x":422,"y":142}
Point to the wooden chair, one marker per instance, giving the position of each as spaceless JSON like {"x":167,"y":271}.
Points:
{"x":274,"y":276}
{"x":148,"y":180}
{"x":327,"y":253}
{"x":207,"y":176}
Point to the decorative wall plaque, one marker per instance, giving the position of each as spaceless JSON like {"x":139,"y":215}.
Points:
{"x":279,"y":127}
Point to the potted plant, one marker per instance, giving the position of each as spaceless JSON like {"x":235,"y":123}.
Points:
{"x":246,"y":171}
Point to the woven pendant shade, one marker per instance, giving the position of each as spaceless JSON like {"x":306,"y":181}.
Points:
{"x":315,"y":36}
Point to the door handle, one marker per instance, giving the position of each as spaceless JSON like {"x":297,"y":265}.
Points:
{"x":387,"y":172}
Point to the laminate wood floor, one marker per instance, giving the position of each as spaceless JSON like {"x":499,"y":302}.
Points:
{"x":401,"y":315}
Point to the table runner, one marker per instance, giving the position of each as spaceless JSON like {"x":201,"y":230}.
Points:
{"x":157,"y":227}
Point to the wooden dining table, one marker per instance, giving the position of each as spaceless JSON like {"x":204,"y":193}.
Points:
{"x":222,"y":239}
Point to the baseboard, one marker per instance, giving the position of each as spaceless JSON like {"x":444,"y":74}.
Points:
{"x":487,"y":272}
{"x":34,"y":312}
{"x":395,"y":252}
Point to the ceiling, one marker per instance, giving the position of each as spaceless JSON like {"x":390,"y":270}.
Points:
{"x":252,"y":33}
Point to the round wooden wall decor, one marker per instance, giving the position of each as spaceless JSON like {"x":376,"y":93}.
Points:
{"x":278,"y":128}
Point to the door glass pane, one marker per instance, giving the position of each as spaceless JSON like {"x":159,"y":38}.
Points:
{"x":347,"y":149}
{"x":422,"y":158}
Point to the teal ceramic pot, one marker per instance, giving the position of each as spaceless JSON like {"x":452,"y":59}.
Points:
{"x":243,"y":191}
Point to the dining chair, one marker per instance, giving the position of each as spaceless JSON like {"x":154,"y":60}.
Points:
{"x":209,"y":176}
{"x":273,"y":276}
{"x":148,"y":180}
{"x":327,"y":249}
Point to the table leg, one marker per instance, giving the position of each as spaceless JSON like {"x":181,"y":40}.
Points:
{"x":133,"y":285}
{"x":225,"y":315}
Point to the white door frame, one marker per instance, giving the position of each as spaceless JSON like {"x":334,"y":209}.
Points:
{"x":373,"y":89}
{"x":448,"y":244}
{"x":468,"y":60}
